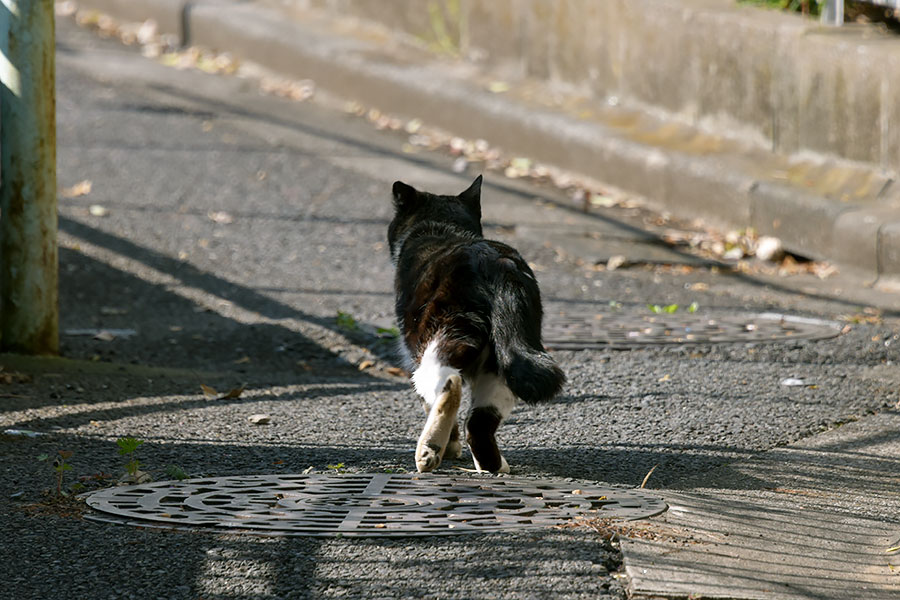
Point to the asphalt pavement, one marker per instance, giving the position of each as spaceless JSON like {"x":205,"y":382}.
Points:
{"x":233,"y":239}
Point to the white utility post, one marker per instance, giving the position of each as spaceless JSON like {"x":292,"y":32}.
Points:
{"x":833,"y":12}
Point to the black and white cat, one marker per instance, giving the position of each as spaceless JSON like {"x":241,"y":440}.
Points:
{"x":469,"y":312}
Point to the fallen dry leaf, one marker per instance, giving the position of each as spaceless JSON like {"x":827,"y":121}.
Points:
{"x":212,"y":394}
{"x":861,"y":318}
{"x":602,"y":200}
{"x":259,"y":419}
{"x":615,"y":262}
{"x":286,"y":88}
{"x":413,"y":126}
{"x":82,"y":188}
{"x":396,"y":371}
{"x":8,"y":377}
{"x":518,"y":167}
{"x":498,"y":87}
{"x":233,"y":393}
{"x":220,"y":216}
{"x":823,"y":270}
{"x":365,"y":365}
{"x":104,"y":336}
{"x":243,"y":360}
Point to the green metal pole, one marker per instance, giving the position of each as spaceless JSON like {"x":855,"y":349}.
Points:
{"x":29,"y":314}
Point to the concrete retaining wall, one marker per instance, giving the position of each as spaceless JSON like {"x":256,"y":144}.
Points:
{"x":780,"y":80}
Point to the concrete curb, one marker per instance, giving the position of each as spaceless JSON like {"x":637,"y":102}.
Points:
{"x":724,"y":190}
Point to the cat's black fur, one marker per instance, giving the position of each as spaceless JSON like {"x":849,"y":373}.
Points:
{"x":478,"y":297}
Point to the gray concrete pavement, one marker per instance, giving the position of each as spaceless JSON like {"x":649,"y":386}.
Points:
{"x":821,"y":208}
{"x":237,"y":226}
{"x":804,"y":521}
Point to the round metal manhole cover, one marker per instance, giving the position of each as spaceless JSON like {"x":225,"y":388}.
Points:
{"x":573,"y":331}
{"x":357,"y":505}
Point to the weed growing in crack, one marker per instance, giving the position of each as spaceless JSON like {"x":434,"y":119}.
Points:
{"x":60,"y":466}
{"x":127,"y":447}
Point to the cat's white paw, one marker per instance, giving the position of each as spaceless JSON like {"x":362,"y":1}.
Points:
{"x":504,"y":466}
{"x":428,"y":458}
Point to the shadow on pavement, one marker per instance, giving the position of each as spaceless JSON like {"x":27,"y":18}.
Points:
{"x":191,"y":319}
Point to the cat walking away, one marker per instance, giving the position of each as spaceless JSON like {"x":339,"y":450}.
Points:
{"x":469,"y":313}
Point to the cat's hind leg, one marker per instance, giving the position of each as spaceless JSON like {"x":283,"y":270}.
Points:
{"x":492,"y":402}
{"x":441,"y":388}
{"x":439,"y":427}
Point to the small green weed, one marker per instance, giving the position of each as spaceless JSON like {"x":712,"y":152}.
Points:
{"x":394,"y":470}
{"x":657,"y":309}
{"x":175,"y":472}
{"x":346,"y":321}
{"x":60,"y":466}
{"x":671,"y":308}
{"x":127,"y":447}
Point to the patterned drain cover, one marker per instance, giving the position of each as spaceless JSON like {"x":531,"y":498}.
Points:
{"x":374,"y":505}
{"x":627,"y":330}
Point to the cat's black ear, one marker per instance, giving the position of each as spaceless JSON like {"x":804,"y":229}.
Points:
{"x":404,"y":195}
{"x":472,"y":196}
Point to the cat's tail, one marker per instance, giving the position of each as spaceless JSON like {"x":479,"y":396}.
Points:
{"x":530,"y":372}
